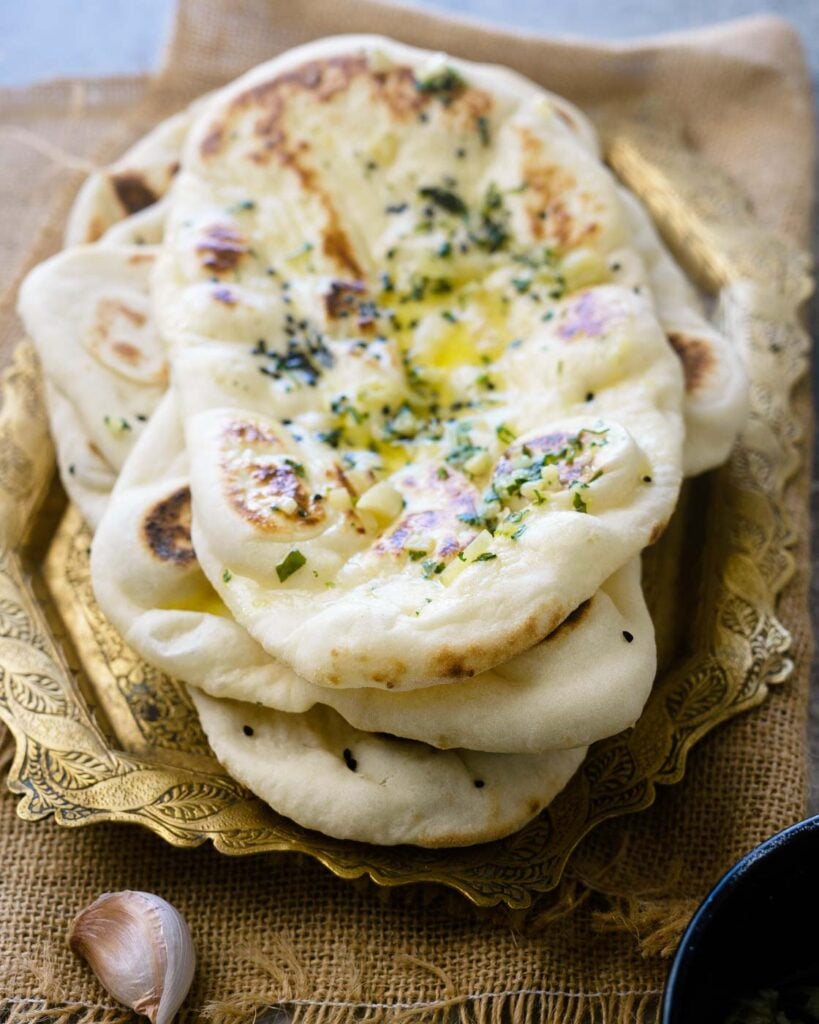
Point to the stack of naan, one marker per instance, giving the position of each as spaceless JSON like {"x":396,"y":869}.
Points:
{"x":374,"y":384}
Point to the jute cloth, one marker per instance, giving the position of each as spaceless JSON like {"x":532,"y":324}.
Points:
{"x":281,"y":929}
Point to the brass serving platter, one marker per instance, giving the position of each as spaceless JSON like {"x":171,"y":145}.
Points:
{"x":101,"y":736}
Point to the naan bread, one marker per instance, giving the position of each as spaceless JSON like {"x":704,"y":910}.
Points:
{"x":87,"y":477}
{"x":494,"y":377}
{"x":588,"y":679}
{"x":130,"y":185}
{"x":326,"y":775}
{"x":87,"y":312}
{"x":716,"y":384}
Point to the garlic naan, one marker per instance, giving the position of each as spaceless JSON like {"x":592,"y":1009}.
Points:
{"x":409,"y":339}
{"x":87,"y":312}
{"x":588,"y":679}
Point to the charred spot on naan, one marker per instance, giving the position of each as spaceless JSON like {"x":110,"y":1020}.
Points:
{"x":221,"y":248}
{"x":121,"y":338}
{"x":225,"y":296}
{"x":127,"y":352}
{"x":108,"y":310}
{"x":166,"y":529}
{"x":697,"y":358}
{"x":132,"y":191}
{"x":138,"y":258}
{"x":343,"y":300}
{"x":548,"y":184}
{"x":264,"y":485}
{"x":324,"y":79}
{"x":571,"y":622}
{"x":584,"y":317}
{"x":465,"y":661}
{"x":268,"y":104}
{"x":572,"y":456}
{"x":451,"y":521}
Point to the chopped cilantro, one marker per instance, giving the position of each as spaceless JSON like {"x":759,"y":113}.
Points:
{"x":432,"y":568}
{"x":331,"y":437}
{"x":446,"y":84}
{"x":442,"y":197}
{"x":471,"y":518}
{"x":487,"y":556}
{"x":416,"y":554}
{"x":292,"y":563}
{"x":227,"y":576}
{"x":505,"y":434}
{"x":578,"y":503}
{"x":482,"y":126}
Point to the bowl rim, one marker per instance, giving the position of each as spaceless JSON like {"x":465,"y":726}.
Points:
{"x":727,"y":883}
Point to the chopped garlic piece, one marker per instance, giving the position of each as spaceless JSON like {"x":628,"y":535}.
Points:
{"x":479,"y":546}
{"x":452,"y":571}
{"x":338,"y":498}
{"x":583,"y":267}
{"x":419,"y":542}
{"x":549,"y":476}
{"x":471,"y":553}
{"x":383,"y":501}
{"x":534,"y":490}
{"x":478,"y":463}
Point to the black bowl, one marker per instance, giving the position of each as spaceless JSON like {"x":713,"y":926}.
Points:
{"x":757,"y":928}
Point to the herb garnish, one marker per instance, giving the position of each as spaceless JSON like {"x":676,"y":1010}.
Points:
{"x":292,"y":563}
{"x":331,"y":437}
{"x":446,"y":84}
{"x":442,"y":197}
{"x":432,"y":568}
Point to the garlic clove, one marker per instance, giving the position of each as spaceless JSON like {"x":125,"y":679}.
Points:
{"x":140,"y":948}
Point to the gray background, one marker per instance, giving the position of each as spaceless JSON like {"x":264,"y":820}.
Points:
{"x":42,"y":39}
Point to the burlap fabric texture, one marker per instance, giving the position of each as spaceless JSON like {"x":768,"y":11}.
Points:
{"x":280,"y":929}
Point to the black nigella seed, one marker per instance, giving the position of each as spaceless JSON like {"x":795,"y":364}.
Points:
{"x":349,"y":760}
{"x":646,"y":479}
{"x":589,"y":396}
{"x":479,"y":783}
{"x":628,"y":637}
{"x":247,"y":730}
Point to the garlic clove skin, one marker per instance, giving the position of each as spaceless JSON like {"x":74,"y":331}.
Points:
{"x":140,"y":948}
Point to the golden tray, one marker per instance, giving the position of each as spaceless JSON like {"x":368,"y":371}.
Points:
{"x":102,"y":736}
